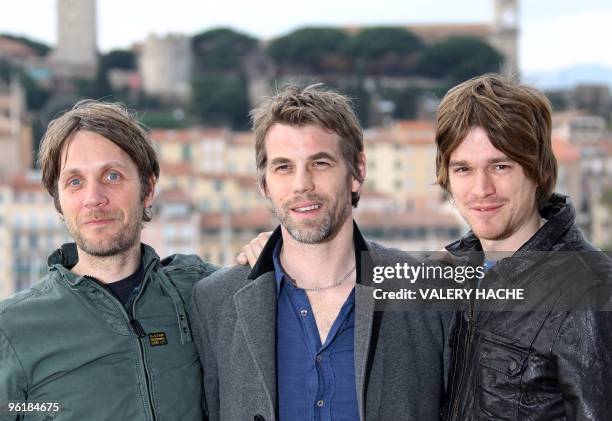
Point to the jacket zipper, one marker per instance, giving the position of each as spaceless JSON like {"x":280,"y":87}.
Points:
{"x":467,"y":348}
{"x":138,"y":331}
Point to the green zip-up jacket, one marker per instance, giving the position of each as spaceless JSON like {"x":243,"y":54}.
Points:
{"x":69,"y":342}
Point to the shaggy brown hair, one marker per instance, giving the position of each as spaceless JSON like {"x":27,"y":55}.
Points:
{"x":312,"y":105}
{"x":516,"y":118}
{"x":110,"y":120}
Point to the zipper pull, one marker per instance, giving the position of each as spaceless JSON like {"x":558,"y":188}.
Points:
{"x":137,"y":328}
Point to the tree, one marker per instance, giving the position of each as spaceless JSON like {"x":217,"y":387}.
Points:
{"x":385,"y":50}
{"x":36,"y":96}
{"x":100,"y":86}
{"x":221,"y":100}
{"x":118,"y":59}
{"x":313,"y":49}
{"x":221,"y":49}
{"x":406,"y":101}
{"x":459,"y":58}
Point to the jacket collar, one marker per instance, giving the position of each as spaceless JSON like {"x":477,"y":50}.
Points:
{"x":66,"y":256}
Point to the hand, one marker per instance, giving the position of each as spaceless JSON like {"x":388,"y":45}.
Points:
{"x":250,"y":252}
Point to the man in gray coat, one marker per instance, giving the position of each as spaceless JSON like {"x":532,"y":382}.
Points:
{"x":297,"y":337}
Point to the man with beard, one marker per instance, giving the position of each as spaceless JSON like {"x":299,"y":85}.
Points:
{"x":495,"y":160}
{"x":297,"y":338}
{"x":106,"y":334}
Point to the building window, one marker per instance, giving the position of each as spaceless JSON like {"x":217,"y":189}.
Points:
{"x":218,"y":185}
{"x":186,"y":153}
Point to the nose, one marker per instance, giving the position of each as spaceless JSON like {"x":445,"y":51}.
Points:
{"x":95,"y":195}
{"x":483,"y":185}
{"x":303,"y":181}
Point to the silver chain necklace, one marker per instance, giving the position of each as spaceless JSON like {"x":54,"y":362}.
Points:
{"x":334,"y":285}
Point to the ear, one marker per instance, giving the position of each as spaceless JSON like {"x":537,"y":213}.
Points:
{"x":263,"y":188}
{"x":148,"y":200}
{"x":361,"y":167}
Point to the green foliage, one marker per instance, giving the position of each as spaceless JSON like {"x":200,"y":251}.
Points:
{"x":164,"y":119}
{"x":385,"y":50}
{"x":118,"y":59}
{"x":221,"y":49}
{"x":360,"y":101}
{"x":40,"y":48}
{"x":558,"y":100}
{"x":377,"y":42}
{"x":36,"y":97}
{"x":459,"y":58}
{"x":315,"y":49}
{"x":99,"y":87}
{"x":406,"y":101}
{"x":221,"y":100}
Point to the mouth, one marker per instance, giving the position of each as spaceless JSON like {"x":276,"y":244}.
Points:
{"x":306,"y":208}
{"x":485,"y":209}
{"x":99,"y":222}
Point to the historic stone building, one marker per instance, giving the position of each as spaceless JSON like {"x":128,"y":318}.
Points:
{"x":76,"y":53}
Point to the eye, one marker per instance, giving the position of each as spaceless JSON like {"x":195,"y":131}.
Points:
{"x":112,"y":176}
{"x":460,"y":169}
{"x":74,"y":182}
{"x":501,"y":167}
{"x":321,"y":164}
{"x":282,"y":168}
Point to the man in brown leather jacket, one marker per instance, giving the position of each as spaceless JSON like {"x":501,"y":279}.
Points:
{"x":552,"y":357}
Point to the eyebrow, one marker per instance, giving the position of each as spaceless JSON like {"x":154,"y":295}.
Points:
{"x":496,"y":160}
{"x":322,"y":155}
{"x":313,"y":157}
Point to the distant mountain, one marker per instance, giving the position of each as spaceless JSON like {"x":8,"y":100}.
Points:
{"x":570,"y":77}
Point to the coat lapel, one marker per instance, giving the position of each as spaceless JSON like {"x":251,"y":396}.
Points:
{"x":364,"y":315}
{"x":256,"y":308}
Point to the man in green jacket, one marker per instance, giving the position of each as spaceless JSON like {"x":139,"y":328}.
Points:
{"x":106,"y":334}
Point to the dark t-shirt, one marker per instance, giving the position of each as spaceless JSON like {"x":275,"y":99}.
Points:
{"x":126,"y":289}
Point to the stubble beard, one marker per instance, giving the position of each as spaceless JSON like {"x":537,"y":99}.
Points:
{"x":126,"y":237}
{"x":316,"y":231}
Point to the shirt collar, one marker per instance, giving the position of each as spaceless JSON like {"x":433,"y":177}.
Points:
{"x":275,"y":244}
{"x":279,"y":273}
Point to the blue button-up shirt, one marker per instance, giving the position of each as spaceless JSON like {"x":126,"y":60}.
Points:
{"x":315,"y":381}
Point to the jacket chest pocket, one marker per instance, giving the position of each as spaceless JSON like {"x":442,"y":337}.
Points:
{"x":500,"y":368}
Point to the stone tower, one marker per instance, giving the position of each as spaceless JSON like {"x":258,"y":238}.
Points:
{"x":165,"y":67}
{"x":76,"y":53}
{"x":505,"y":34}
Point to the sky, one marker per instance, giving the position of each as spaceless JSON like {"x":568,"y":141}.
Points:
{"x":555,"y":34}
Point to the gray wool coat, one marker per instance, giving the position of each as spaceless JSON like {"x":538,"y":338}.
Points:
{"x":399,"y":356}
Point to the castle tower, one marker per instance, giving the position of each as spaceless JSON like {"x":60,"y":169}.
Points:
{"x":505,"y":34}
{"x":165,"y":67}
{"x":76,"y":53}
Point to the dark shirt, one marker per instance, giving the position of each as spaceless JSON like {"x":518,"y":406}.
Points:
{"x":315,"y":381}
{"x":126,"y":289}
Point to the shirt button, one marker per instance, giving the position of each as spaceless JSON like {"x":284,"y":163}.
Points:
{"x":304,"y":313}
{"x":320,"y":403}
{"x":319,"y":358}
